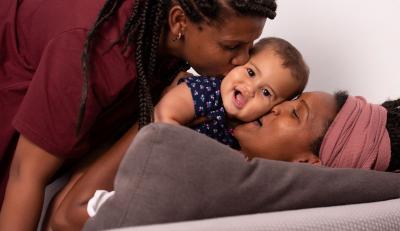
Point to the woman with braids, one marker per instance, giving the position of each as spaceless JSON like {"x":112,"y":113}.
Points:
{"x":339,"y":131}
{"x":75,"y":74}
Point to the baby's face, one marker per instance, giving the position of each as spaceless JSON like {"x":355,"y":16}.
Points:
{"x":251,"y":90}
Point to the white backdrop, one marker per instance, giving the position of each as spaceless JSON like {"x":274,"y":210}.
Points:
{"x":348,"y":44}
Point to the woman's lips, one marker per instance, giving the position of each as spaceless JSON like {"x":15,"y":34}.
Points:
{"x":238,"y":99}
{"x":259,"y":123}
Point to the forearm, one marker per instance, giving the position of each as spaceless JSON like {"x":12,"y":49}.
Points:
{"x":72,"y":213}
{"x":31,"y":169}
{"x":22,"y":207}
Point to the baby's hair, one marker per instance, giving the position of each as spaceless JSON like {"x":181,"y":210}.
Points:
{"x":142,"y":32}
{"x":340,"y":99}
{"x":393,"y":128}
{"x":291,"y":57}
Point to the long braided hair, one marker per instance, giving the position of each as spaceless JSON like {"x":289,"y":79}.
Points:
{"x":393,"y":128}
{"x":142,"y":31}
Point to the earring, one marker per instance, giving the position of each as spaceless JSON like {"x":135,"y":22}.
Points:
{"x":178,"y":37}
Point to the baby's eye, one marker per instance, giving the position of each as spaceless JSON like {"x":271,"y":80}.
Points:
{"x":265,"y":92}
{"x":250,"y":72}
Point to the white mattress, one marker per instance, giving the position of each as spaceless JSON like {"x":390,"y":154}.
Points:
{"x":379,"y":216}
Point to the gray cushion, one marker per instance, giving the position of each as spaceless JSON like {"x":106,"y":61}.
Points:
{"x":373,"y":216}
{"x":171,"y":173}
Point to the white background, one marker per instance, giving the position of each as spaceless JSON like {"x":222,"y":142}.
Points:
{"x":349,"y":44}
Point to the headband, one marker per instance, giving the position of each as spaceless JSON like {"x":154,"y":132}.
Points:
{"x":357,"y":138}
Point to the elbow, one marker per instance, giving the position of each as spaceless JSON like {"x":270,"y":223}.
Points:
{"x":68,"y":218}
{"x":164,"y":118}
{"x":59,"y":222}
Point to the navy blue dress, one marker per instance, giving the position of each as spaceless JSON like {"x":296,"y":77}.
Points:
{"x":208,"y":104}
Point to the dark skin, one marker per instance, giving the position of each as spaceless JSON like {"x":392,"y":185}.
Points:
{"x":210,"y":49}
{"x":72,"y":198}
{"x":294,"y":125}
{"x":27,"y":175}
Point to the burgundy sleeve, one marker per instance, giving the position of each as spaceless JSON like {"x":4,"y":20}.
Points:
{"x":49,"y":112}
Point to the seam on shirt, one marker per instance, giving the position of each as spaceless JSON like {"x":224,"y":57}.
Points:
{"x":30,"y":133}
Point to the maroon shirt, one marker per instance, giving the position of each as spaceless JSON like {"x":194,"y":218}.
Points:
{"x":41,"y":79}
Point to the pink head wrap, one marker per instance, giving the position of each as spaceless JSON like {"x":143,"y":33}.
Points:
{"x":357,"y":138}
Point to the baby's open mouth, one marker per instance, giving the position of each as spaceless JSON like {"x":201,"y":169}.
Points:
{"x":238,"y":98}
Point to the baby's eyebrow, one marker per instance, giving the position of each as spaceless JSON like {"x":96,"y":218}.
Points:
{"x":258,"y":70}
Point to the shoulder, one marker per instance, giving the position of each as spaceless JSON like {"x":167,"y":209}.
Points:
{"x":202,"y":82}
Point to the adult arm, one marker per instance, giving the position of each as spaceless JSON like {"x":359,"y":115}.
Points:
{"x":31,"y":169}
{"x":71,"y":214}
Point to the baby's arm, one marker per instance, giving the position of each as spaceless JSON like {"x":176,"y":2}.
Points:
{"x":176,"y":106}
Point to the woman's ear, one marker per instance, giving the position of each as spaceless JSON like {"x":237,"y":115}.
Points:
{"x":177,"y":21}
{"x":308,"y":157}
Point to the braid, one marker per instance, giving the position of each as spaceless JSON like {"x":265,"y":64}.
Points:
{"x":393,"y":128}
{"x":105,"y":13}
{"x":142,"y":28}
{"x":266,"y":8}
{"x":198,"y":10}
{"x":140,"y":65}
{"x":210,"y":10}
{"x":142,"y":31}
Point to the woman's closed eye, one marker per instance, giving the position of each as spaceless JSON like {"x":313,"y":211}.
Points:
{"x":295,"y":114}
{"x":231,"y":47}
{"x":250,"y":72}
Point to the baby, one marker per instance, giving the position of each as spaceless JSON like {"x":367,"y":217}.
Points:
{"x":275,"y":72}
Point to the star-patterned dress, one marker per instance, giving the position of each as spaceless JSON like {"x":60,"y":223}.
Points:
{"x":208,"y":104}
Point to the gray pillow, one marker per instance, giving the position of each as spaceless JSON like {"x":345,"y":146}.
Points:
{"x":171,"y":173}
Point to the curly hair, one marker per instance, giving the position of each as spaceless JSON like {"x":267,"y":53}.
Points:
{"x":142,"y":32}
{"x":393,"y":128}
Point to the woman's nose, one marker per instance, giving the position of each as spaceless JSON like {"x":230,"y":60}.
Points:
{"x":276,"y":110}
{"x":241,"y":57}
{"x":281,"y":108}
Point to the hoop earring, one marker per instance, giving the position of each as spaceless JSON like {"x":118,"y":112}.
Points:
{"x":178,"y":37}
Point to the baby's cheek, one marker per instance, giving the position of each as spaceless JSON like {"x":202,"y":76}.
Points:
{"x":253,"y":114}
{"x":263,"y":109}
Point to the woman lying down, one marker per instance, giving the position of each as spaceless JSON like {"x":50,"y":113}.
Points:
{"x":339,"y":131}
{"x":318,"y":128}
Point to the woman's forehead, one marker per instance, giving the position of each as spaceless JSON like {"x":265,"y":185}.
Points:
{"x":320,"y":103}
